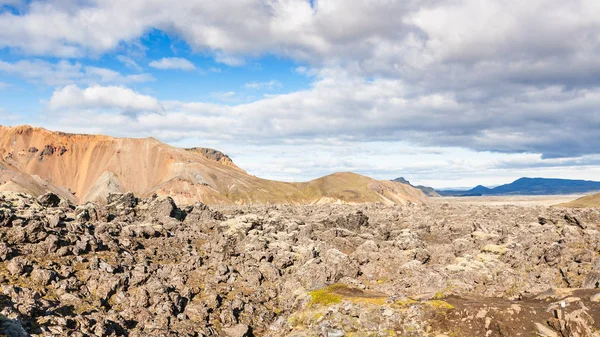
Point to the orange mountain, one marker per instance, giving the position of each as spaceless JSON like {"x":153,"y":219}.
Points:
{"x":85,"y":168}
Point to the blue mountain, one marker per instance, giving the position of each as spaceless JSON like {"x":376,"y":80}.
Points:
{"x":531,"y":186}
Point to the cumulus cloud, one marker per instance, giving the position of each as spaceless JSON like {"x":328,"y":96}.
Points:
{"x":65,"y":72}
{"x":172,"y":63}
{"x":379,"y":36}
{"x":99,"y":98}
{"x":354,"y":109}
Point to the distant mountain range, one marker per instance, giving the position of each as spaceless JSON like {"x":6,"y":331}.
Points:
{"x":530,"y":186}
{"x":429,"y":191}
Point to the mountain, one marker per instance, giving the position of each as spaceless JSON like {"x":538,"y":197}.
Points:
{"x":428,"y":191}
{"x":531,"y":186}
{"x":589,"y":201}
{"x":85,"y":168}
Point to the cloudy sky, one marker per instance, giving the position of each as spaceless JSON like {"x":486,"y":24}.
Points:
{"x":446,"y":93}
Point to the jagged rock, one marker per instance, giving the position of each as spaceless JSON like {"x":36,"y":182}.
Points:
{"x":353,"y":222}
{"x":592,"y":280}
{"x":11,"y":328}
{"x":545,"y":331}
{"x":49,"y":200}
{"x":239,"y":330}
{"x":422,"y":255}
{"x":17,"y":266}
{"x":573,"y":221}
{"x":5,"y":251}
{"x":121,"y":201}
{"x":552,"y":254}
{"x":42,"y":277}
{"x":140,"y":267}
{"x":583,"y":257}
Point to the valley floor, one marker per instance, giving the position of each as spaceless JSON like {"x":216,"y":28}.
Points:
{"x":520,"y":200}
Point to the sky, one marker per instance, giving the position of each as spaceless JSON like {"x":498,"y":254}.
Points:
{"x":446,"y":93}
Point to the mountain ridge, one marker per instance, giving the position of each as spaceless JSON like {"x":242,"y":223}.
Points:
{"x":428,"y":191}
{"x":530,"y":186}
{"x":83,"y":167}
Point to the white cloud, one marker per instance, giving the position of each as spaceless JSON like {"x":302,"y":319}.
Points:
{"x":349,"y":108}
{"x":4,"y":85}
{"x":389,"y":123}
{"x":173,"y":63}
{"x":64,"y":72}
{"x":270,"y":85}
{"x":99,"y":98}
{"x":392,"y":37}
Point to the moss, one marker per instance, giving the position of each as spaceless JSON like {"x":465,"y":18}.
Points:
{"x":324,"y":297}
{"x":440,"y":305}
{"x":379,"y":301}
{"x":337,"y":292}
{"x":439,"y":295}
{"x":404,"y":303}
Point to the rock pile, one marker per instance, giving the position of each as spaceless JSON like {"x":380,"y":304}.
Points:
{"x":147,"y":267}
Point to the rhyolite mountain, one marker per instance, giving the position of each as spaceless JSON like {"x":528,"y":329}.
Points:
{"x":82,"y":168}
{"x":429,"y":191}
{"x":530,"y":186}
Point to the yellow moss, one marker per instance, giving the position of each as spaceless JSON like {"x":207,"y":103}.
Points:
{"x":404,"y":303}
{"x":439,"y":295}
{"x":369,"y":300}
{"x":440,"y":305}
{"x":324,"y":297}
{"x":337,"y":292}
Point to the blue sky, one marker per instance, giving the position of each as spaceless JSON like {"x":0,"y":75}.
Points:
{"x":445,"y":93}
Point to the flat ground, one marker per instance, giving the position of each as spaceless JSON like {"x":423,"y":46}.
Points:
{"x":520,"y":200}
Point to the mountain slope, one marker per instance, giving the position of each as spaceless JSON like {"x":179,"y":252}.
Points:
{"x":429,"y":191}
{"x":93,"y":166}
{"x":532,"y":186}
{"x":589,"y":201}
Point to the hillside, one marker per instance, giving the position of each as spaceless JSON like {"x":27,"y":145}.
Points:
{"x":531,"y":186}
{"x":429,"y":191}
{"x":588,"y":201}
{"x":89,"y":167}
